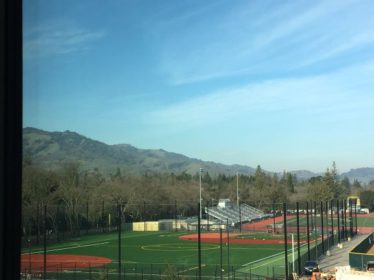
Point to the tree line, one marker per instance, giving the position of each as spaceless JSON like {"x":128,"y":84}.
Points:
{"x":155,"y":195}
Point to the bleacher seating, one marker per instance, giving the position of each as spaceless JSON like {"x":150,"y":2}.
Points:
{"x":225,"y":212}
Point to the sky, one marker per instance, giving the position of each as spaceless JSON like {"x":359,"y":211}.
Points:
{"x":287,"y":85}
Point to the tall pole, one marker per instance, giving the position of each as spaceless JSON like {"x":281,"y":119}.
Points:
{"x":285,"y":239}
{"x":201,"y":170}
{"x":307,"y":228}
{"x":45,"y":243}
{"x":345,"y":220}
{"x":228,"y":248}
{"x":338,"y":212}
{"x":327,"y":225}
{"x":350,"y":218}
{"x":273,"y":217}
{"x":323,"y":241}
{"x":298,"y":239}
{"x":119,"y":240}
{"x":332,"y":223}
{"x":240,"y":218}
{"x":356,"y":215}
{"x":237,"y":189}
{"x":220,"y":246}
{"x":293,"y":252}
{"x":315,"y":228}
{"x":199,"y":241}
{"x":175,"y":215}
{"x":87,"y":225}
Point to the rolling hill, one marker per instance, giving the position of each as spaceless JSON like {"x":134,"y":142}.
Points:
{"x":52,"y":149}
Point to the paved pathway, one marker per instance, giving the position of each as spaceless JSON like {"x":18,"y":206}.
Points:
{"x":340,"y":256}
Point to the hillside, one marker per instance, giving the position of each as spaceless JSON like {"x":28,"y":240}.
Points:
{"x":363,"y":175}
{"x":51,"y":149}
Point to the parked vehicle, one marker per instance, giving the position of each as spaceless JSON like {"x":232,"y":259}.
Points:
{"x":370,"y":266}
{"x":310,"y":267}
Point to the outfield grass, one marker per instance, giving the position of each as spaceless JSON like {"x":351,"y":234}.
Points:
{"x":362,"y":221}
{"x":365,"y":221}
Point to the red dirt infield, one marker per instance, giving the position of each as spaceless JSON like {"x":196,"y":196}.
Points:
{"x":60,"y":262}
{"x":215,"y":238}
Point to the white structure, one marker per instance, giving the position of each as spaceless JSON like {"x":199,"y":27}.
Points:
{"x":224,"y":203}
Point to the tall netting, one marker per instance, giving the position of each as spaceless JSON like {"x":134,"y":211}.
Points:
{"x":147,"y":240}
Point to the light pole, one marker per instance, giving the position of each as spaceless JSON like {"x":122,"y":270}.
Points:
{"x":201,"y":171}
{"x":237,"y":189}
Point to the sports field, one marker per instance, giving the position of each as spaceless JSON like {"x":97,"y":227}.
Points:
{"x":155,"y":253}
{"x":145,"y":251}
{"x":362,"y":221}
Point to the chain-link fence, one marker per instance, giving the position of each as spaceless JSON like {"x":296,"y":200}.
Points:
{"x":144,"y":240}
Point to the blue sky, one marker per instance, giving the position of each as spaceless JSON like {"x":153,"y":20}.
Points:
{"x":287,"y":85}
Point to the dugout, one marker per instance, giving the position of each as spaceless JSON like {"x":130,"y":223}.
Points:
{"x":362,"y":253}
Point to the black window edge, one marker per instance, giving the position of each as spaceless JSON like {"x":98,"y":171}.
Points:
{"x":10,"y":137}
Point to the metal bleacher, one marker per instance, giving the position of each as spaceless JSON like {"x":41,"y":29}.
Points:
{"x":225,"y":212}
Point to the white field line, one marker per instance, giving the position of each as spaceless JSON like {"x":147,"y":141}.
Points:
{"x":289,"y":251}
{"x":105,"y":241}
{"x":191,"y":268}
{"x":67,"y":248}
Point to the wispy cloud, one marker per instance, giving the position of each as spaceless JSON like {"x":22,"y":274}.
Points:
{"x":261,"y":42}
{"x":58,"y":38}
{"x":328,"y":97}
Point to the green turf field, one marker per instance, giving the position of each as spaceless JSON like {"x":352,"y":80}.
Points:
{"x":365,"y":221}
{"x":157,"y":250}
{"x":362,"y":221}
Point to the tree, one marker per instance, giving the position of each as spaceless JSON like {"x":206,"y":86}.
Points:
{"x":356,"y":187}
{"x":346,"y":185}
{"x":367,"y":199}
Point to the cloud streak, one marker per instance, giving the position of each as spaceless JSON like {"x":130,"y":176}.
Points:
{"x":328,"y":97}
{"x":294,"y":38}
{"x":58,"y":39}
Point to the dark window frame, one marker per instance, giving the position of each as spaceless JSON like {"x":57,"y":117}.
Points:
{"x":10,"y":137}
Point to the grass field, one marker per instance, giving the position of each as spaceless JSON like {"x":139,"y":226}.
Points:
{"x":155,"y":251}
{"x":362,"y":221}
{"x":161,"y":249}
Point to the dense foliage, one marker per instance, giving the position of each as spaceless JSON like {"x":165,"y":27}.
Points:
{"x":73,"y":189}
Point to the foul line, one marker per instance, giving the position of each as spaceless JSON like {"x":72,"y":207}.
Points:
{"x":269,"y":257}
{"x":67,"y":248}
{"x":191,"y":268}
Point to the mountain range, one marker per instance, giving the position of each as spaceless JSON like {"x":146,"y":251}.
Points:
{"x":51,"y":149}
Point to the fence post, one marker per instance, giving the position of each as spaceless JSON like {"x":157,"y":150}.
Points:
{"x":322,"y":230}
{"x":220,"y":247}
{"x":228,"y":248}
{"x":75,"y":271}
{"x":285,"y":239}
{"x":338,"y":213}
{"x":332,"y":224}
{"x":350,"y":218}
{"x":45,"y":242}
{"x":119,"y":239}
{"x":298,"y":238}
{"x":327,"y":224}
{"x":175,"y":215}
{"x":87,"y":218}
{"x":356,"y":215}
{"x":199,"y":240}
{"x":307,"y":229}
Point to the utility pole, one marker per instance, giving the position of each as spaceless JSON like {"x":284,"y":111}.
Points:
{"x":237,"y":189}
{"x":201,"y":216}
